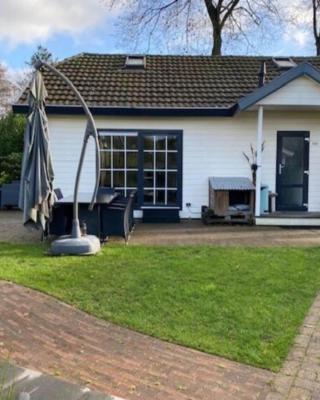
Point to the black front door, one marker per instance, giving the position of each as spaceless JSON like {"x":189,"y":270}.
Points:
{"x":292,"y":171}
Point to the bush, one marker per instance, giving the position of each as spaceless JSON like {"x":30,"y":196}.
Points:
{"x":11,"y":146}
{"x":10,"y":167}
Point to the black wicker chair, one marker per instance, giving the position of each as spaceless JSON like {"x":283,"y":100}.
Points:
{"x":117,"y":218}
{"x":121,"y":201}
{"x":60,"y":219}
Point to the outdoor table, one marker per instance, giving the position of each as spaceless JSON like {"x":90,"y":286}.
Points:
{"x":85,"y":198}
{"x":63,"y":213}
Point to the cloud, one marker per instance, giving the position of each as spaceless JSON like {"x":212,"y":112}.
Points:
{"x":299,"y":22}
{"x":30,"y":21}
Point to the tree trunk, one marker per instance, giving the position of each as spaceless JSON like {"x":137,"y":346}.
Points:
{"x":318,"y":45}
{"x":217,"y":43}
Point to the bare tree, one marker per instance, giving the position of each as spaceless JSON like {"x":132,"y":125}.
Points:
{"x":225,"y":18}
{"x":6,"y":90}
{"x":315,"y":20}
{"x":11,"y":87}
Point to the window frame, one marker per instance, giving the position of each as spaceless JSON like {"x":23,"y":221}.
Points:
{"x":141,"y":133}
{"x":125,"y":188}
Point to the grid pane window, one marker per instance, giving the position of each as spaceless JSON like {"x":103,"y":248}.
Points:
{"x":148,"y":197}
{"x":160,"y":169}
{"x":119,"y":161}
{"x":148,"y":179}
{"x":105,"y":142}
{"x":172,"y":196}
{"x":148,"y":162}
{"x":132,"y":143}
{"x":105,"y":178}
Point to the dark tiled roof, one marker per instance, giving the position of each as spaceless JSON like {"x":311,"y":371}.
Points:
{"x":166,"y":82}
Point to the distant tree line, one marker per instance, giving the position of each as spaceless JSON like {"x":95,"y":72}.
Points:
{"x":12,"y":125}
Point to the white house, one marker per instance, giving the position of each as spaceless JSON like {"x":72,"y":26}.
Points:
{"x":168,"y":123}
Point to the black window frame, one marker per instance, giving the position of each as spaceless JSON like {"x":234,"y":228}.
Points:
{"x":141,"y":133}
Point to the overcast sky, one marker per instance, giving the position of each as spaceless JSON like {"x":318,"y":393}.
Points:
{"x":68,"y":27}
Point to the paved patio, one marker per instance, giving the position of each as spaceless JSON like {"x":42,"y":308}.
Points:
{"x":37,"y":331}
{"x":188,"y":232}
{"x":193,"y":232}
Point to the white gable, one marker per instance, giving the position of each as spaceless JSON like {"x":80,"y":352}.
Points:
{"x":302,"y":91}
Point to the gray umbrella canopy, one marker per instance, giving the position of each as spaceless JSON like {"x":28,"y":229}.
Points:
{"x":36,"y":190}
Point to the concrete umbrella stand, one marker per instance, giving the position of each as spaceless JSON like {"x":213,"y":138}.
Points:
{"x":76,"y":243}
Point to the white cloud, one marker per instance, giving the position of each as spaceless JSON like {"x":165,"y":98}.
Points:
{"x":30,"y":21}
{"x":297,"y":35}
{"x":299,"y":22}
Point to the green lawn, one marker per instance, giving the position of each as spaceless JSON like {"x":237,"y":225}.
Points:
{"x":242,"y":303}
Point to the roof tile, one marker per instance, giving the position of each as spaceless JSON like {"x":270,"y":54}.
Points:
{"x":167,"y":81}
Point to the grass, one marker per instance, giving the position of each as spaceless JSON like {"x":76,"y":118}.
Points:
{"x":242,"y":303}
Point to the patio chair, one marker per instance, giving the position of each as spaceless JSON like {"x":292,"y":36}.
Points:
{"x":122,"y":201}
{"x":58,"y":193}
{"x":60,"y":219}
{"x":117,"y":217}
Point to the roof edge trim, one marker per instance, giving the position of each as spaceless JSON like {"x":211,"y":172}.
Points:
{"x":303,"y":69}
{"x":133,"y":111}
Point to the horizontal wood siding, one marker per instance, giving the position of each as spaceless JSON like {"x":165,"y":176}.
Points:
{"x":301,"y":92}
{"x":211,"y":147}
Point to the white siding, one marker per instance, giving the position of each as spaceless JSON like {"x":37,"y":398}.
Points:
{"x":300,"y":92}
{"x":211,"y":146}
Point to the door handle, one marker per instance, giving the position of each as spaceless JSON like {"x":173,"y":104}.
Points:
{"x":306,"y":172}
{"x":280,"y":168}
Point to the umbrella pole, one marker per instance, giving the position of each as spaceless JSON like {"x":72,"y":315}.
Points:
{"x":76,"y":231}
{"x":78,"y":244}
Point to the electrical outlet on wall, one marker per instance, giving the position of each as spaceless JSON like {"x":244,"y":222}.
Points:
{"x":188,"y":204}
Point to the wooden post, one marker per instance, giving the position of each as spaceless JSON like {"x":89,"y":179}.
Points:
{"x":259,"y":160}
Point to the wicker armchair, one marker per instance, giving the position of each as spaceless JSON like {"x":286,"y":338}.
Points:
{"x":117,"y":218}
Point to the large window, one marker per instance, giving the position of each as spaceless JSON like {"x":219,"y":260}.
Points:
{"x":160,"y":169}
{"x":147,"y":161}
{"x":119,"y":161}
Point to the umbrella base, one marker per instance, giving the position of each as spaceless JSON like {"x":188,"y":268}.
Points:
{"x":82,"y":246}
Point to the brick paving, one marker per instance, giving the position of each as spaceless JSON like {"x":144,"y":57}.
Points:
{"x":39,"y":332}
{"x":299,"y":378}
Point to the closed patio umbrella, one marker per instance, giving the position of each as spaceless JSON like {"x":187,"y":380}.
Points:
{"x":36,"y":188}
{"x":76,"y":243}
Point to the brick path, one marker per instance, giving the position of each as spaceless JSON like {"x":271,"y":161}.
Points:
{"x":299,"y":378}
{"x":41,"y":333}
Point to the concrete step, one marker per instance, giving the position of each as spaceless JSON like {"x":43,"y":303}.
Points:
{"x":18,"y":383}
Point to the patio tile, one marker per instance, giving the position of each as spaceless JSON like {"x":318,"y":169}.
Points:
{"x":188,"y":232}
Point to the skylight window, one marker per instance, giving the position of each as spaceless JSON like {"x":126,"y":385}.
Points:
{"x":284,"y":62}
{"x":135,"y":62}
